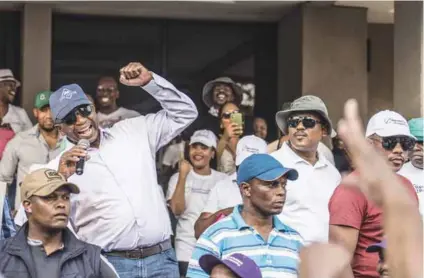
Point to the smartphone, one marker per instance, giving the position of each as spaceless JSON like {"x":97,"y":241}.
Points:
{"x":237,"y":118}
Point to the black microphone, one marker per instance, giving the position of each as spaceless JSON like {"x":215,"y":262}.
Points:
{"x":80,"y":163}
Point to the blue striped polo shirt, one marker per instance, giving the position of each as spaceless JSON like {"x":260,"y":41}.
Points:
{"x":276,"y":257}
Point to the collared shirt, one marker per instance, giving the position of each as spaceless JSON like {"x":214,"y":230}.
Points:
{"x":276,"y":257}
{"x":120,"y":206}
{"x":25,"y":149}
{"x":18,"y":119}
{"x":225,"y":194}
{"x":306,"y":206}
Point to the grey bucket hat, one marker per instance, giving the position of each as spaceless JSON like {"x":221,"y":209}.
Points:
{"x":305,"y":103}
{"x":207,"y":90}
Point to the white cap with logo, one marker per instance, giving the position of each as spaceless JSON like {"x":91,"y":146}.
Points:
{"x":388,"y":123}
{"x":249,"y":145}
{"x":205,"y":137}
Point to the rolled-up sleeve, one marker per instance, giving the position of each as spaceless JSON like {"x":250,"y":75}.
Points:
{"x":177,"y":114}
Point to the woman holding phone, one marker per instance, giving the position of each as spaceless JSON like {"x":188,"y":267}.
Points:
{"x":231,"y":126}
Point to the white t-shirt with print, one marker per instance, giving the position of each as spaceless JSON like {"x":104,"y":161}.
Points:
{"x":225,"y":194}
{"x":416,"y":177}
{"x":108,"y":120}
{"x":197,"y":189}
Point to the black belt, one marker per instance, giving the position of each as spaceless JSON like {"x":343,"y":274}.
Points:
{"x":142,"y":252}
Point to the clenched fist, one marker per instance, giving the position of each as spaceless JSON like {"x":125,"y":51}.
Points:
{"x":135,"y":74}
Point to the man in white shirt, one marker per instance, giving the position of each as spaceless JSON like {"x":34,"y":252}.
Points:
{"x":188,"y":191}
{"x":120,"y":207}
{"x":108,"y":111}
{"x":306,"y":121}
{"x":413,"y":170}
{"x":226,"y":194}
{"x":14,"y":116}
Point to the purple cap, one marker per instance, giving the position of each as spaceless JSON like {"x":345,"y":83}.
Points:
{"x":241,"y":265}
{"x":377,"y":247}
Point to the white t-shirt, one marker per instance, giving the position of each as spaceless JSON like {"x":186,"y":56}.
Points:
{"x":108,"y":120}
{"x":306,"y":206}
{"x":197,"y":189}
{"x":416,"y":177}
{"x":225,"y":194}
{"x":173,"y":154}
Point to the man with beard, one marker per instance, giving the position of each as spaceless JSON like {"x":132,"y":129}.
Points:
{"x":355,"y":221}
{"x":11,"y":116}
{"x":121,"y":208}
{"x":108,"y":112}
{"x":413,"y":170}
{"x":39,"y":144}
{"x":188,"y":192}
{"x":253,"y":229}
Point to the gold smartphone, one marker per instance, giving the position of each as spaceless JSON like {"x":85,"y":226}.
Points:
{"x":237,"y":118}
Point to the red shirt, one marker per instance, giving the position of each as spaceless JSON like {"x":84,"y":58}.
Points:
{"x":349,"y":207}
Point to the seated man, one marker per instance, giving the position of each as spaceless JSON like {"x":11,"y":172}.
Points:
{"x":382,"y":267}
{"x":253,"y":229}
{"x":44,"y":246}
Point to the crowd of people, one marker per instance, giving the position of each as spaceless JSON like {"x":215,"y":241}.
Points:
{"x":83,"y":195}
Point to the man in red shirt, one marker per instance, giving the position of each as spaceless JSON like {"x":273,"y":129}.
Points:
{"x":356,"y":222}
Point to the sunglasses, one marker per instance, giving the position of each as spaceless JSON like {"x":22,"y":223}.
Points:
{"x":82,"y":110}
{"x":389,"y":143}
{"x":307,"y":122}
{"x":227,"y":115}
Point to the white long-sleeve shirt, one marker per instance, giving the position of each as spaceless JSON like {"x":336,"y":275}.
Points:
{"x":120,"y":206}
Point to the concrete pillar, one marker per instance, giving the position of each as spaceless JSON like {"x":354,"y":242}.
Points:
{"x":36,"y":52}
{"x":322,"y":51}
{"x":408,"y":43}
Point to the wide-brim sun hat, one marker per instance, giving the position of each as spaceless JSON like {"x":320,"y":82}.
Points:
{"x":208,"y":88}
{"x":307,"y":103}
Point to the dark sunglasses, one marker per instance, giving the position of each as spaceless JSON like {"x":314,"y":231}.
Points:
{"x":307,"y":122}
{"x":227,"y":115}
{"x":82,"y":110}
{"x":389,"y":143}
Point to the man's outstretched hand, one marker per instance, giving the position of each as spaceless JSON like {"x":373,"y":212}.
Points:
{"x":135,"y":74}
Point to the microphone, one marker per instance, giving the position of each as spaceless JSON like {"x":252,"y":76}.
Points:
{"x":80,"y":163}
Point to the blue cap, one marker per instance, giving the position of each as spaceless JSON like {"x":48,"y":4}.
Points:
{"x":263,"y":167}
{"x":65,"y":99}
{"x":377,"y":247}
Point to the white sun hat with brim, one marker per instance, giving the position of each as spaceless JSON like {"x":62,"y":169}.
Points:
{"x":304,"y":104}
{"x":7,"y":75}
{"x":208,"y":88}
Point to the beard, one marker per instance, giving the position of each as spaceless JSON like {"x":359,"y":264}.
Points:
{"x":47,"y":128}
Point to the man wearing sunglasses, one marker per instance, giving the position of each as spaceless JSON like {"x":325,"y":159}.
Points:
{"x":306,"y":122}
{"x":413,"y":170}
{"x":356,"y":222}
{"x":109,"y":112}
{"x":120,"y":207}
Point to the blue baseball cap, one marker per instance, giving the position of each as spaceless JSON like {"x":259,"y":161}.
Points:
{"x":239,"y":264}
{"x":263,"y":167}
{"x":65,"y":99}
{"x":377,"y":247}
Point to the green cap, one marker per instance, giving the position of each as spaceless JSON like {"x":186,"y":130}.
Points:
{"x":42,"y":99}
{"x":416,"y":126}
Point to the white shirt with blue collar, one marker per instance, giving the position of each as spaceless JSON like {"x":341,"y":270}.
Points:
{"x":121,"y":206}
{"x":306,"y":206}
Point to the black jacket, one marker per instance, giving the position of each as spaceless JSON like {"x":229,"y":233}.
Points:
{"x":80,"y":259}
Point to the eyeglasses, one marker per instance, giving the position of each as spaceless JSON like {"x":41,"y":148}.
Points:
{"x":389,"y":143}
{"x":227,"y":115}
{"x":307,"y":122}
{"x":82,"y":110}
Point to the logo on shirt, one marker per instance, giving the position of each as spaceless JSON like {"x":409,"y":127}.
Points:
{"x":67,"y":94}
